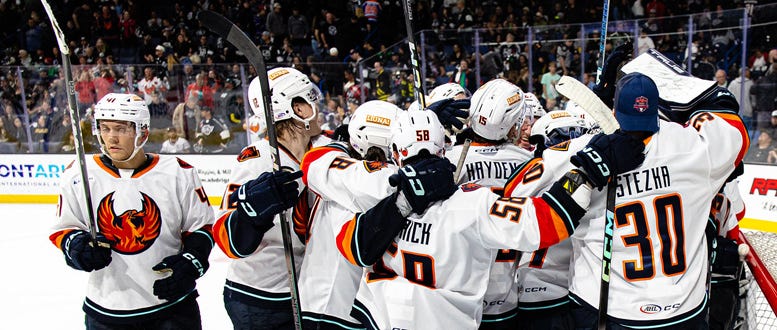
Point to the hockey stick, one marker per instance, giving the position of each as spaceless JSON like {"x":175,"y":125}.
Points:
{"x":232,"y":33}
{"x":462,"y":157}
{"x":75,"y":119}
{"x":602,"y":40}
{"x":420,"y":93}
{"x":586,"y":99}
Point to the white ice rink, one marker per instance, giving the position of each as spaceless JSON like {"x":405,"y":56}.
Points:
{"x":40,"y":292}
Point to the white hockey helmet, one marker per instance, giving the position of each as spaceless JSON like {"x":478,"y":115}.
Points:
{"x":286,"y":84}
{"x":446,"y":91}
{"x":533,"y":106}
{"x":123,"y":107}
{"x":577,"y":110}
{"x":371,"y":126}
{"x":497,"y":107}
{"x":416,"y":105}
{"x":558,"y":126}
{"x":416,"y":131}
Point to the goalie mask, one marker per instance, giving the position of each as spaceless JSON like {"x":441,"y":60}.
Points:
{"x":533,"y":106}
{"x":496,"y":108}
{"x":371,"y":126}
{"x":123,"y":107}
{"x":416,"y":131}
{"x":556,"y":127}
{"x":286,"y":85}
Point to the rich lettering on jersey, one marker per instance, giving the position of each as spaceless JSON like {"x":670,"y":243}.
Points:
{"x":132,"y":231}
{"x":415,"y":232}
{"x":491,"y":170}
{"x":643,"y":181}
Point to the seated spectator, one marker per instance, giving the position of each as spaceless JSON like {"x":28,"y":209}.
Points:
{"x":212,"y":134}
{"x":186,"y":116}
{"x":759,"y":153}
{"x":174,"y":144}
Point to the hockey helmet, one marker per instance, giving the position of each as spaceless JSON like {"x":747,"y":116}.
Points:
{"x":123,"y":107}
{"x":416,"y":131}
{"x":497,"y":107}
{"x":286,"y":84}
{"x":556,"y":127}
{"x":533,"y":106}
{"x":447,"y":91}
{"x":371,"y":126}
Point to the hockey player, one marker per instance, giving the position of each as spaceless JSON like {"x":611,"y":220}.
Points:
{"x":256,"y":293}
{"x":659,"y":254}
{"x":430,"y":270}
{"x":543,"y":274}
{"x":154,"y":226}
{"x":497,"y":111}
{"x":345,"y":185}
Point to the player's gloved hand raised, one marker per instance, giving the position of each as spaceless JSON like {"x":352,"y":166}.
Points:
{"x":609,"y":154}
{"x":423,"y":183}
{"x":605,"y":89}
{"x":451,"y":113}
{"x":82,"y":254}
{"x":260,"y":199}
{"x":185,"y":268}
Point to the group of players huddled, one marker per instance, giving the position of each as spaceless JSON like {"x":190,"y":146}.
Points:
{"x":384,"y":235}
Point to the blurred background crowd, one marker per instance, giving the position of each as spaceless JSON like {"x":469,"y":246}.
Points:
{"x":194,"y":82}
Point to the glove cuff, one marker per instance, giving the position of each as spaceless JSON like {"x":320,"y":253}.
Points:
{"x":403,"y":205}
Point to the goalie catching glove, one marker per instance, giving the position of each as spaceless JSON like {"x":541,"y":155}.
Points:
{"x":607,"y":155}
{"x":423,"y":183}
{"x":260,"y":199}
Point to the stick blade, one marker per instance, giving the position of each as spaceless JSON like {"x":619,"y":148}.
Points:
{"x":586,"y":99}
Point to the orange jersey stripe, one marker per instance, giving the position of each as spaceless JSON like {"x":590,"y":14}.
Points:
{"x":311,"y":156}
{"x":529,"y":167}
{"x":56,"y":238}
{"x":344,"y":239}
{"x":104,"y":167}
{"x":736,"y":121}
{"x":221,"y":236}
{"x":154,"y":161}
{"x":552,"y":228}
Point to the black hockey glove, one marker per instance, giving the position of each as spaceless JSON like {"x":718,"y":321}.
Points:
{"x":185,"y":269}
{"x":82,"y":254}
{"x":605,"y":89}
{"x":424,"y":183}
{"x":260,"y":199}
{"x":607,"y":155}
{"x":451,"y":113}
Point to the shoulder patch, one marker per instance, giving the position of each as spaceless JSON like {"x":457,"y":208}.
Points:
{"x":247,"y":153}
{"x":563,"y":146}
{"x":469,"y":186}
{"x":182,"y":163}
{"x":374,"y":166}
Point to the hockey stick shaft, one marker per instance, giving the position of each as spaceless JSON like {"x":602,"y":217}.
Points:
{"x":602,"y":39}
{"x":462,"y":157}
{"x":420,"y":93}
{"x":75,"y":119}
{"x":232,"y":33}
{"x":586,"y":99}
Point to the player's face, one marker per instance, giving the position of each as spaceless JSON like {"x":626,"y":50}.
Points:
{"x":119,"y":138}
{"x":305,"y":110}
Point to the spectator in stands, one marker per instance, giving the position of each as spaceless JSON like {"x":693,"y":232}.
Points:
{"x":182,"y":46}
{"x":465,"y":77}
{"x":765,"y":90}
{"x":103,"y":84}
{"x":174,"y":144}
{"x":159,"y":111}
{"x":644,"y":42}
{"x":720,"y":78}
{"x":40,"y":133}
{"x":328,"y":32}
{"x":186,"y":117}
{"x":382,"y":82}
{"x":108,"y":27}
{"x":201,"y":90}
{"x":128,"y":30}
{"x":548,"y":81}
{"x":746,"y":103}
{"x":5,"y":135}
{"x":85,"y":90}
{"x":210,"y":133}
{"x":59,"y":132}
{"x":19,"y":131}
{"x":24,"y":58}
{"x":299,"y":32}
{"x":759,"y":153}
{"x":151,"y":84}
{"x":276,"y":24}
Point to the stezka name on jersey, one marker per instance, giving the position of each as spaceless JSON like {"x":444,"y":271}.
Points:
{"x":641,"y":181}
{"x":493,"y":170}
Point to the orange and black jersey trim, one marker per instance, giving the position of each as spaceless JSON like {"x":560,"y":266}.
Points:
{"x":528,"y":172}
{"x":106,"y":164}
{"x":315,"y":154}
{"x":364,"y":239}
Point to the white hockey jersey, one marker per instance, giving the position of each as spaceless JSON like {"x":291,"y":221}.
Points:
{"x":435,"y":273}
{"x":261,"y":277}
{"x":144,"y":213}
{"x":328,"y":282}
{"x":491,"y":165}
{"x":659,"y":252}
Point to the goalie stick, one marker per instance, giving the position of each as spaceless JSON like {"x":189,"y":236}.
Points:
{"x":586,"y":99}
{"x":75,"y":119}
{"x":232,"y":33}
{"x":462,"y":157}
{"x":420,"y":93}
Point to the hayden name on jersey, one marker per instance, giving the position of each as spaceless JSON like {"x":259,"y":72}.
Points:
{"x":144,"y":219}
{"x":328,"y":283}
{"x":270,"y":286}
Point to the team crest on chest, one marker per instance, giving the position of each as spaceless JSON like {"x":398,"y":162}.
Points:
{"x":132,"y":231}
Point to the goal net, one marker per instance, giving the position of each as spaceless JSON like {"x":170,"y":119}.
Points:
{"x":760,"y":303}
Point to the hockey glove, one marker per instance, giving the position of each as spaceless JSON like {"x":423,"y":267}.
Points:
{"x":571,"y":195}
{"x":82,"y":254}
{"x":605,"y":89}
{"x":259,"y":200}
{"x":185,"y":269}
{"x":451,"y":113}
{"x":423,"y":183}
{"x":607,"y":155}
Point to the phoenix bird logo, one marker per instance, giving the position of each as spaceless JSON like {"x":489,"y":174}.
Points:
{"x":133,"y":231}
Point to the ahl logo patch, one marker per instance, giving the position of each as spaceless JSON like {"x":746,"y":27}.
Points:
{"x":641,"y":103}
{"x":650,"y":309}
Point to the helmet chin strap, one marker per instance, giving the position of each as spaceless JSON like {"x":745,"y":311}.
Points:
{"x":134,"y":152}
